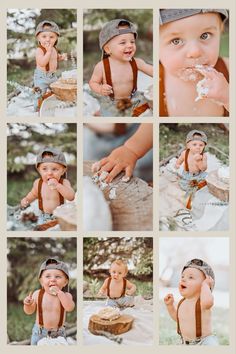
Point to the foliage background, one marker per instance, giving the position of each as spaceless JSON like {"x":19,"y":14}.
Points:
{"x":173,"y":136}
{"x":23,"y":144}
{"x":95,"y":19}
{"x":24,"y":257}
{"x":99,"y":253}
{"x":21,"y":42}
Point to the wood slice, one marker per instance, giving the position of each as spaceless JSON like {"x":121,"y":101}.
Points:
{"x":65,"y":92}
{"x":132,"y":208}
{"x":217,"y":187}
{"x":120,"y":325}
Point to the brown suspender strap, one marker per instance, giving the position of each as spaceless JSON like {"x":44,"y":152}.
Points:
{"x":40,"y":311}
{"x":108,"y":286}
{"x":199,"y":185}
{"x":44,"y":52}
{"x":198,"y":319}
{"x":186,"y":160}
{"x":107,"y":70}
{"x":62,"y":311}
{"x":40,"y":200}
{"x":177,"y":316}
{"x":124,"y":287}
{"x":135,"y":74}
{"x":123,"y":290}
{"x":222,"y":68}
{"x":162,"y":106}
{"x":60,"y":196}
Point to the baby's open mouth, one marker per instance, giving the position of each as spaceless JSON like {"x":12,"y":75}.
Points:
{"x":183,"y":286}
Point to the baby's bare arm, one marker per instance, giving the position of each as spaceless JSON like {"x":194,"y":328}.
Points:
{"x":103,"y":290}
{"x":169,"y":302}
{"x":66,"y":300}
{"x":125,"y":157}
{"x":30,"y":303}
{"x":131,"y":288}
{"x":31,"y":196}
{"x":202,"y":164}
{"x":206,"y":297}
{"x":96,"y":81}
{"x":66,"y":190}
{"x":144,"y":67}
{"x":180,"y":160}
{"x":41,"y":58}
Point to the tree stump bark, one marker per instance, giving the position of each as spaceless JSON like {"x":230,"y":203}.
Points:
{"x":132,"y":209}
{"x":120,"y":325}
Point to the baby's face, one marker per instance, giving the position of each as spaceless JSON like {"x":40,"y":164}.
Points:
{"x":49,"y":170}
{"x":121,"y":47}
{"x":196,"y":146}
{"x":191,"y":282}
{"x":117,"y":272}
{"x":53,"y":277}
{"x":191,"y":41}
{"x":47,"y":38}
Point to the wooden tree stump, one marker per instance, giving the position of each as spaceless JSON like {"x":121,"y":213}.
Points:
{"x":120,"y":325}
{"x":132,"y":209}
{"x":65,"y":92}
{"x":216,"y":187}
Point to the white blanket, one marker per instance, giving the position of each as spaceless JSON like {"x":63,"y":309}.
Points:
{"x":141,"y":332}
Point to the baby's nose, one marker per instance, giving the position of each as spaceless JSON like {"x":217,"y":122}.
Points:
{"x":193,"y":50}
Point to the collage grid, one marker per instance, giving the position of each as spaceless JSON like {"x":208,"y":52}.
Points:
{"x":159,"y":239}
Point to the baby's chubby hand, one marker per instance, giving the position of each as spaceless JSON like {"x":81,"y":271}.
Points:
{"x":54,"y":290}
{"x":29,"y":299}
{"x":209,"y":281}
{"x":120,"y":159}
{"x":63,"y":56}
{"x":197,"y":157}
{"x":106,"y":90}
{"x":217,"y":85}
{"x":169,"y":299}
{"x":24,"y":203}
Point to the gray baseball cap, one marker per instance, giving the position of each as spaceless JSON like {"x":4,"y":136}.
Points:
{"x":111,"y":29}
{"x":200,"y":135}
{"x":53,"y":27}
{"x":201,"y":265}
{"x":57,"y":156}
{"x":53,"y":263}
{"x":169,"y":15}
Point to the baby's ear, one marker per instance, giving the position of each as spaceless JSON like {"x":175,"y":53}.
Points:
{"x":107,"y":49}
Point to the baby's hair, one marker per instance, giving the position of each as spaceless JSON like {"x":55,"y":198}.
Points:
{"x":47,"y":154}
{"x":120,"y":263}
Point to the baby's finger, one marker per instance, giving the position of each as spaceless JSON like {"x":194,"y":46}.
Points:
{"x":95,"y":166}
{"x":30,"y":294}
{"x":116,"y":170}
{"x":128,"y":173}
{"x":108,"y":166}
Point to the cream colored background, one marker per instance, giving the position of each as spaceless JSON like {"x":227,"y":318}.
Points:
{"x":79,"y":5}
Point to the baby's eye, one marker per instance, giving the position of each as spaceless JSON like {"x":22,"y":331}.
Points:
{"x":205,"y":36}
{"x":177,"y":41}
{"x":58,"y":277}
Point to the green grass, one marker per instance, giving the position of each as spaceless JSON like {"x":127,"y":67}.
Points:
{"x":167,"y":327}
{"x":142,"y":288}
{"x":19,"y":325}
{"x":16,"y":190}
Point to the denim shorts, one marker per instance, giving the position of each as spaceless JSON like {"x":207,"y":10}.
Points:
{"x":208,"y":340}
{"x":44,"y":217}
{"x":123,"y":301}
{"x":43,"y":79}
{"x":41,"y":332}
{"x":187,"y":177}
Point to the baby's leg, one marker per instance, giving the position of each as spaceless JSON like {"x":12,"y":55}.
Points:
{"x":126,"y":301}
